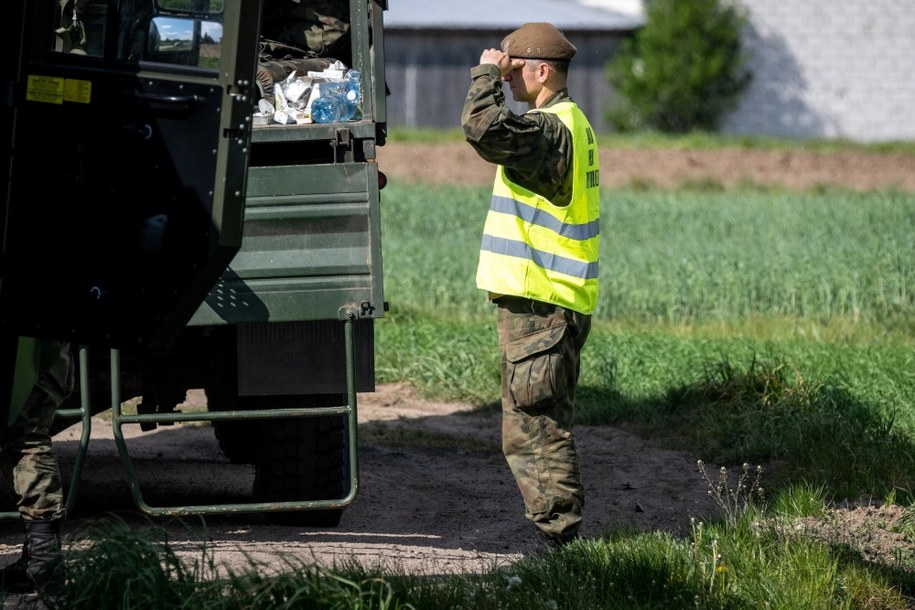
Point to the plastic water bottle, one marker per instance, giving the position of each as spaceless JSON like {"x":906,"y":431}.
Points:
{"x":352,"y":93}
{"x":339,"y":101}
{"x":332,"y":105}
{"x":329,"y":108}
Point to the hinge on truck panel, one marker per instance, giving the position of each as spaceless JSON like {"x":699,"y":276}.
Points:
{"x":365,"y":310}
{"x":240,"y":111}
{"x":342,"y":145}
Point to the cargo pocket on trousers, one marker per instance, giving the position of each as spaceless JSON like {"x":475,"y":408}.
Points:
{"x":535,"y":367}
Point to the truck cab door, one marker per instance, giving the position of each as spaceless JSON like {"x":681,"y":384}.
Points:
{"x":129,"y":125}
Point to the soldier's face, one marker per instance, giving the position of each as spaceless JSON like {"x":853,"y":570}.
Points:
{"x":525,"y":82}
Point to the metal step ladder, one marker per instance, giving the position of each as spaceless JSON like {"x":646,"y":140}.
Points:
{"x":120,"y":419}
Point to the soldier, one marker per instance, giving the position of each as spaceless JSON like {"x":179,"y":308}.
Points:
{"x":538,"y":260}
{"x":30,"y":469}
{"x":319,"y":27}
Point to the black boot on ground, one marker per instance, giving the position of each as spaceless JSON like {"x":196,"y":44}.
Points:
{"x":554,"y":543}
{"x":13,"y":578}
{"x":40,"y":566}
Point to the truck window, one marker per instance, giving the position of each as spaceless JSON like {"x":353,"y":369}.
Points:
{"x":79,"y":27}
{"x":183,"y":41}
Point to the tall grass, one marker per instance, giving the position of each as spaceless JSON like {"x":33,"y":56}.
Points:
{"x":683,"y":257}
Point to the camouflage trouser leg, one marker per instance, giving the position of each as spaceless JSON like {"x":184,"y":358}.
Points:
{"x":541,"y":346}
{"x":28,"y":462}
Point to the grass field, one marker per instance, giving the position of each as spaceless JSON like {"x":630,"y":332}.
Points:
{"x":823,"y":282}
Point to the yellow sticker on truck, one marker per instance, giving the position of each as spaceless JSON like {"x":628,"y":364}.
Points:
{"x":57,"y":90}
{"x":77,"y":90}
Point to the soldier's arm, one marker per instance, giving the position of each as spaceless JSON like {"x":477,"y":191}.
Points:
{"x":534,"y":147}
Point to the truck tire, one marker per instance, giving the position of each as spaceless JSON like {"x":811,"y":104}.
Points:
{"x":236,"y":438}
{"x":305,"y":458}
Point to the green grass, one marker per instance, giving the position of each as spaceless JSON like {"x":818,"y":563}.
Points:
{"x":755,"y":561}
{"x":684,"y":256}
{"x":757,"y":327}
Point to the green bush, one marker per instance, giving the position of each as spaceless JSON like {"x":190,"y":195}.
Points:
{"x":683,"y":70}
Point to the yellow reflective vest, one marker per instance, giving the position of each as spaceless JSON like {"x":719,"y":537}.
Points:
{"x":534,"y":249}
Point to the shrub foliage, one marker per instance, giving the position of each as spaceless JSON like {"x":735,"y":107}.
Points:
{"x":683,"y":70}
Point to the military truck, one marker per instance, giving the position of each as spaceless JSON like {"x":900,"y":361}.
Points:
{"x":174,"y":211}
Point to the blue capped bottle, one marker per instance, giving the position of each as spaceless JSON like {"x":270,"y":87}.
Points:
{"x":330,"y":105}
{"x":352,"y":93}
{"x":328,"y":108}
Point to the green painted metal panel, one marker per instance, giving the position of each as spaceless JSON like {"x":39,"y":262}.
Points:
{"x":311,"y":247}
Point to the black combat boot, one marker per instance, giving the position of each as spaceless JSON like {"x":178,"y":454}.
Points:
{"x":554,"y":542}
{"x":14,"y":575}
{"x":40,"y":566}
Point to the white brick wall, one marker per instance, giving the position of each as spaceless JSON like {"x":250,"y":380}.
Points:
{"x":830,"y":69}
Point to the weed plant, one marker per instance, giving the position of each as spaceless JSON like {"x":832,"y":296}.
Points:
{"x":734,"y":499}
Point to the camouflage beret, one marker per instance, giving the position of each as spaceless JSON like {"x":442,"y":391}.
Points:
{"x":538,"y":41}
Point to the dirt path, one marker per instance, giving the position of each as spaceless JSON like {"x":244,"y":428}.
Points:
{"x":439,"y":509}
{"x":410,"y":162}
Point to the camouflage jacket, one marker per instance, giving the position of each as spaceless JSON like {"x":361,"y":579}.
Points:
{"x":535,"y":148}
{"x":319,"y":27}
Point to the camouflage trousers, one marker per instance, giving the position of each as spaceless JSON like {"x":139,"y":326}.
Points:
{"x":27,"y":461}
{"x":541,"y":347}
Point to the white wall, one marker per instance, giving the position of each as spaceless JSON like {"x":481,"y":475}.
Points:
{"x":831,"y":69}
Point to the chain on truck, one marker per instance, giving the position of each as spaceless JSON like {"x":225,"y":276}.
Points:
{"x":178,"y":208}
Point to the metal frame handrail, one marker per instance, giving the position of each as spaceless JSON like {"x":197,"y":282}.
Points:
{"x":119,"y":419}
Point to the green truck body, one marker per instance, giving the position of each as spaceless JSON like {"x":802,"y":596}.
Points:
{"x":252,"y":266}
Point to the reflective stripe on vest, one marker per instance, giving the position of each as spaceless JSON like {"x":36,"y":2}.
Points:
{"x":532,"y":248}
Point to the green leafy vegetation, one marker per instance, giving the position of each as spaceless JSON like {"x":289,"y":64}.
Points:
{"x":683,"y":70}
{"x":748,"y":327}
